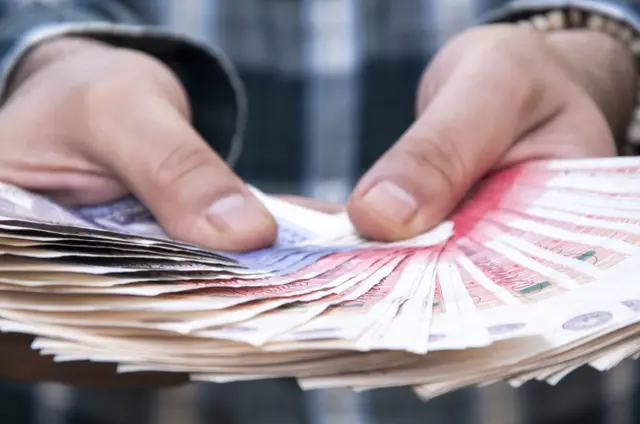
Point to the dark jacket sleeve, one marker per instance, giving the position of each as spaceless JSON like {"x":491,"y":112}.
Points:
{"x":214,"y":88}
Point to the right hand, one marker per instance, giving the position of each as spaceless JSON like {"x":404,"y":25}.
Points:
{"x":87,"y":123}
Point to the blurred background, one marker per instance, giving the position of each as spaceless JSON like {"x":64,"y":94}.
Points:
{"x":323,"y":158}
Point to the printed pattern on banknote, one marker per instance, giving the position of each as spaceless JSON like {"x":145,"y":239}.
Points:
{"x":532,"y":276}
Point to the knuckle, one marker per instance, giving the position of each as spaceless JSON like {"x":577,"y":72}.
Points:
{"x":524,"y":72}
{"x":179,"y":177}
{"x":98,"y":93}
{"x":514,"y":60}
{"x":100,"y":102}
{"x":438,"y":157}
{"x":176,"y":226}
{"x":181,"y":167}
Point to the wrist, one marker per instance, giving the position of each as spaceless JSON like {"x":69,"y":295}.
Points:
{"x":603,"y":67}
{"x":49,"y":52}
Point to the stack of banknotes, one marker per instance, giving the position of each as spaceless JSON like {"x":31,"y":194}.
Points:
{"x":534,"y":275}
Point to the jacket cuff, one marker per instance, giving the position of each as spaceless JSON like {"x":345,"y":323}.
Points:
{"x":216,"y":93}
{"x":524,"y":9}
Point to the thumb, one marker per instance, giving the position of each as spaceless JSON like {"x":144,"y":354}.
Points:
{"x":190,"y":190}
{"x":417,"y":183}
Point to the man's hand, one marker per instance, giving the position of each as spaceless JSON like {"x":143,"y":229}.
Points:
{"x":87,"y":123}
{"x":492,"y":97}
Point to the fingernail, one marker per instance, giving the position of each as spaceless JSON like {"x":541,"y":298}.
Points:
{"x":391,"y":201}
{"x":234,"y":213}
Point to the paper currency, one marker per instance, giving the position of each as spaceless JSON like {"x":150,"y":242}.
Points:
{"x":534,"y":275}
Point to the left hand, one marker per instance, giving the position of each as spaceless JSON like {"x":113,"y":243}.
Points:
{"x":492,"y":97}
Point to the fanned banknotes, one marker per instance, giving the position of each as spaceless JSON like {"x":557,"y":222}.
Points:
{"x":534,"y":275}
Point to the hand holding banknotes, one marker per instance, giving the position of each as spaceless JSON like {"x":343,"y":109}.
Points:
{"x":109,"y":121}
{"x":494,"y":96}
{"x":105,"y":122}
